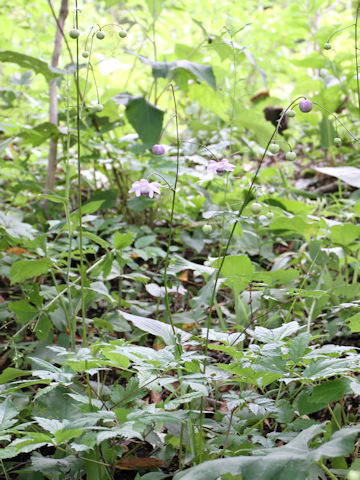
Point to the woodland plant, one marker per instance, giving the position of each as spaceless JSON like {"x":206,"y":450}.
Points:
{"x":200,"y":331}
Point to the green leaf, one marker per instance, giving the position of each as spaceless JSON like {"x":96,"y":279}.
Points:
{"x":340,"y":444}
{"x":344,"y":234}
{"x":171,"y":70}
{"x":122,"y":241}
{"x":43,"y":327}
{"x":330,"y":391}
{"x":32,"y":63}
{"x":66,"y":434}
{"x":327,"y":132}
{"x":11,"y":373}
{"x":146,"y":119}
{"x":40,"y":134}
{"x":298,"y":346}
{"x":354,"y":323}
{"x":24,"y":311}
{"x":97,"y":239}
{"x":25,"y":269}
{"x":238,"y":271}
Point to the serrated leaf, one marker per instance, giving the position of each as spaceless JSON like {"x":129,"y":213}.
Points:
{"x":298,"y":346}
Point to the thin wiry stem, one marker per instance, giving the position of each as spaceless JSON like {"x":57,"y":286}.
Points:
{"x":167,"y":300}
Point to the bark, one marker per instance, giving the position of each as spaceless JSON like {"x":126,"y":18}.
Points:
{"x":53,"y":111}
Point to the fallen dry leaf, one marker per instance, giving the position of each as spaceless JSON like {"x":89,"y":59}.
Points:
{"x":134,"y":463}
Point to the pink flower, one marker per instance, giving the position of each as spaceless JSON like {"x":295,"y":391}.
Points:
{"x":143,"y":187}
{"x":220,"y":167}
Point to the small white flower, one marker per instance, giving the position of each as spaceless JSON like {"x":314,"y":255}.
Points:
{"x":143,"y":187}
{"x":220,"y":167}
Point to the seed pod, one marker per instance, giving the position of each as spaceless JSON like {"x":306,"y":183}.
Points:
{"x":99,"y":107}
{"x":74,"y":33}
{"x":207,"y":229}
{"x":122,"y":34}
{"x":291,"y":156}
{"x":327,"y":46}
{"x":85,"y":54}
{"x":100,"y":35}
{"x":274,"y":148}
{"x":256,"y":207}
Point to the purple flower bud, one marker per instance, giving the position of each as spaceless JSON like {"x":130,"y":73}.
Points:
{"x":305,"y":106}
{"x":158,"y":149}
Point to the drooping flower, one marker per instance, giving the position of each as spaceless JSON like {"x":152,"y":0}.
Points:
{"x":220,"y":167}
{"x":305,"y":105}
{"x":158,"y":149}
{"x":143,"y":187}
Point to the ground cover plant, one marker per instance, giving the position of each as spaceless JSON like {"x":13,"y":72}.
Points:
{"x":179,"y":240}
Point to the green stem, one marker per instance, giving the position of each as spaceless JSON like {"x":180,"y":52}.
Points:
{"x":356,"y":55}
{"x":326,"y":470}
{"x":4,"y":470}
{"x":167,"y":300}
{"x":82,"y":280}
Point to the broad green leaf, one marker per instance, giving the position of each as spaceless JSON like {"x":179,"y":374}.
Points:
{"x":344,"y":234}
{"x":146,"y":119}
{"x":40,"y":134}
{"x":43,"y":327}
{"x":24,"y":311}
{"x":354,"y":323}
{"x":8,"y":412}
{"x":238,"y":271}
{"x":122,"y":241}
{"x":11,"y":373}
{"x":330,"y":391}
{"x":171,"y":69}
{"x":32,"y":63}
{"x":145,"y":241}
{"x":67,"y":434}
{"x":25,"y":269}
{"x":298,"y":346}
{"x":340,"y":444}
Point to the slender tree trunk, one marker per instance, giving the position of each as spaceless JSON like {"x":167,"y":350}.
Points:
{"x":53,"y":113}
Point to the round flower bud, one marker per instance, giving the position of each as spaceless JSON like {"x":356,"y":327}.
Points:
{"x":270,"y":214}
{"x":290,"y":113}
{"x":290,"y":156}
{"x":85,"y":54}
{"x":99,"y":107}
{"x":74,"y":33}
{"x":305,"y":106}
{"x":100,"y":35}
{"x":274,"y":148}
{"x":337,"y":141}
{"x":256,"y":207}
{"x":158,"y":149}
{"x":122,"y":34}
{"x":207,"y":229}
{"x":327,"y":46}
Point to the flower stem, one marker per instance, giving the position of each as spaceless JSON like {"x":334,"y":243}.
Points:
{"x":82,"y":281}
{"x":167,"y":300}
